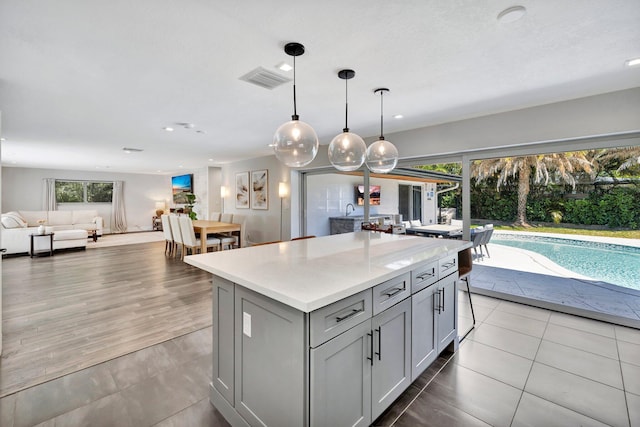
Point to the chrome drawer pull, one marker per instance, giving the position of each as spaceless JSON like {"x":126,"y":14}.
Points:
{"x":449,"y":264}
{"x":425,"y":275}
{"x":346,"y":316}
{"x":393,"y":292}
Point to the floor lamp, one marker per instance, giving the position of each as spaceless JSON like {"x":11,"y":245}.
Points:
{"x":283,"y":191}
{"x":223,"y":194}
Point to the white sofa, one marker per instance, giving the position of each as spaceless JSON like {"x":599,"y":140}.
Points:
{"x":18,"y":225}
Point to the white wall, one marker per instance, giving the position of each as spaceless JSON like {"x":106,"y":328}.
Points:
{"x":22,"y":189}
{"x":262,"y":225}
{"x":329,"y":194}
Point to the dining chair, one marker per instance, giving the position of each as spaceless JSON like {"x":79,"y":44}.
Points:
{"x":229,"y":241}
{"x":215,"y":216}
{"x":168,"y":235}
{"x":226,"y":217}
{"x":190,"y":242}
{"x":177,"y":235}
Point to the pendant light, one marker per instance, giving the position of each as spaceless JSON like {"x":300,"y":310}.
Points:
{"x":347,"y":150}
{"x":295,"y":143}
{"x":382,"y":155}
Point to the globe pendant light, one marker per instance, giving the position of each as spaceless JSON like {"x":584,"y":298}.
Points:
{"x":295,"y":143}
{"x":382,"y":155}
{"x":347,"y":150}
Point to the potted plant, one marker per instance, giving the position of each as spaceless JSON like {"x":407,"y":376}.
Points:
{"x":188,"y":207}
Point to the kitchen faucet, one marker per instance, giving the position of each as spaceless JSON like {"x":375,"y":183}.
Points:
{"x":353,"y":208}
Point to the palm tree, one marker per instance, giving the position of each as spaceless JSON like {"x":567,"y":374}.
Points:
{"x":618,"y":159}
{"x":543,"y":167}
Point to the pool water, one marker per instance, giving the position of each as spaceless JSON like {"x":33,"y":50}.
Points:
{"x":616,"y":264}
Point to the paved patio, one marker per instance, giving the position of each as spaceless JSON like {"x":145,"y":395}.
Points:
{"x":530,"y":278}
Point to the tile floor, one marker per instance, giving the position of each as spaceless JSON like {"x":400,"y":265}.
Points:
{"x":520,"y":366}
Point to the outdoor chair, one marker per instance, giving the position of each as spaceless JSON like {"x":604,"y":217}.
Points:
{"x":477,"y":236}
{"x":488,"y":231}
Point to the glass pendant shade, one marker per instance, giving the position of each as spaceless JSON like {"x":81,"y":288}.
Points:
{"x":347,"y":152}
{"x":382,"y":156}
{"x":295,"y":144}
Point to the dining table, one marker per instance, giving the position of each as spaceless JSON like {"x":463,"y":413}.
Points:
{"x":437,"y":230}
{"x":205,"y":226}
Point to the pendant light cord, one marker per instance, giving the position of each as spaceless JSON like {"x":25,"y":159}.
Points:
{"x":346,"y":107}
{"x":295,"y":111}
{"x":381,"y":112}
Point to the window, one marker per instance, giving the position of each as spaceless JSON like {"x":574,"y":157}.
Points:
{"x":83,"y":192}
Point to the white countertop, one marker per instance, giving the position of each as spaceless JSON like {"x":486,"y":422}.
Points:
{"x":309,"y":274}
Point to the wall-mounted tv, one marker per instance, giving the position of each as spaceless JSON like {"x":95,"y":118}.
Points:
{"x":180,"y":185}
{"x":374,"y":195}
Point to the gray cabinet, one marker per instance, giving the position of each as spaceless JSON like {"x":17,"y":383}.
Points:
{"x":223,"y":329}
{"x":446,"y":313}
{"x":359,"y":373}
{"x":423,"y":332}
{"x":341,"y":378}
{"x":391,"y":356}
{"x":270,"y":360}
{"x":434,"y":322}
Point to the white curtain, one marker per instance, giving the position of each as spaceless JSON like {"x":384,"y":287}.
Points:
{"x":118,"y":218}
{"x":49,"y":194}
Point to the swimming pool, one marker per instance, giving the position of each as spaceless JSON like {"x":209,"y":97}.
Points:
{"x":616,"y":264}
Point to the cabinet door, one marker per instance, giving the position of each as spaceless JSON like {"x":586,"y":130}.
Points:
{"x":223,"y":364}
{"x":391,"y":373}
{"x":341,"y":379}
{"x":423,"y":333}
{"x":447,"y":320}
{"x":270,"y":358}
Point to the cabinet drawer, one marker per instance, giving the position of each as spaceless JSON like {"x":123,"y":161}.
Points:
{"x":448,"y":265}
{"x":423,"y":276}
{"x":391,"y":292}
{"x":334,"y":319}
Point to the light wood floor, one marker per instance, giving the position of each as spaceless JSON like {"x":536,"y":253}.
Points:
{"x":80,"y":308}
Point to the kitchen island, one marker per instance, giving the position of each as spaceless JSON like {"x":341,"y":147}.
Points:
{"x":328,"y":331}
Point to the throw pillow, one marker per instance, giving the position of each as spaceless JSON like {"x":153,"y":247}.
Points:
{"x":12,"y":220}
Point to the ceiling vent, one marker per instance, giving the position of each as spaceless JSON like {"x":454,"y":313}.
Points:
{"x":265,"y":78}
{"x":131,"y":150}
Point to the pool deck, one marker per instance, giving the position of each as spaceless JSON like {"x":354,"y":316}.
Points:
{"x":539,"y":281}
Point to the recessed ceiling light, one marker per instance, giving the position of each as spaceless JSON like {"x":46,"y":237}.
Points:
{"x":398,"y":116}
{"x":211,"y":160}
{"x":633,"y":62}
{"x":511,"y":14}
{"x":284,"y":66}
{"x":168,"y":129}
{"x":3,"y":139}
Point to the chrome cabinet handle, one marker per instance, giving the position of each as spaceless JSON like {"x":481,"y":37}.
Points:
{"x":449,"y":265}
{"x":443,"y":300}
{"x":425,"y":275}
{"x":437,"y":302}
{"x":346,"y":316}
{"x":379,"y":352}
{"x":370,"y":335}
{"x":394,"y":291}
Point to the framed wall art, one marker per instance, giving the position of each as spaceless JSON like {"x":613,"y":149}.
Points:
{"x":242,"y":190}
{"x":260,"y":189}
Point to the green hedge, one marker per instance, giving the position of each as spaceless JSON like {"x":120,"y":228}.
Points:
{"x":616,"y":208}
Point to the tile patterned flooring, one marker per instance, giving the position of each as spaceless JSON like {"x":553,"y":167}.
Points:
{"x":520,"y":366}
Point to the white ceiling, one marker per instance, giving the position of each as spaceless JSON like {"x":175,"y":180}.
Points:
{"x":80,"y":80}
